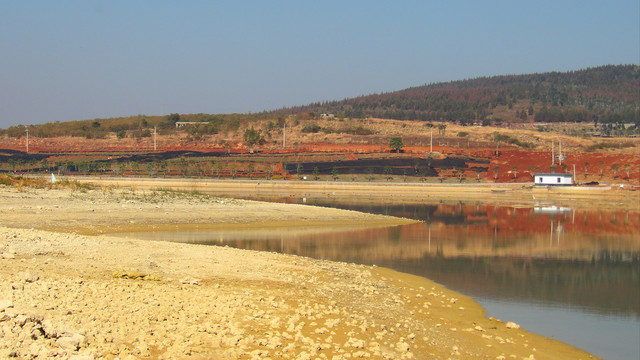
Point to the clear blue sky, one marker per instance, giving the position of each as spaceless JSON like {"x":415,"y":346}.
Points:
{"x":75,"y":60}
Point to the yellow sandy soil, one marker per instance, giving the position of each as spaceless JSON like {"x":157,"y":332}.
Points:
{"x":94,"y":296}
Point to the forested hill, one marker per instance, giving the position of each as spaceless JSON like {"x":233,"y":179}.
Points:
{"x":606,"y":94}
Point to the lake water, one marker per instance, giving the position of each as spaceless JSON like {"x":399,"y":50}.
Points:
{"x":571,"y":274}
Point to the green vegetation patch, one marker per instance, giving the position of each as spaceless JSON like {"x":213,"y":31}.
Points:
{"x":609,"y":145}
{"x":351,"y":130}
{"x":502,"y":138}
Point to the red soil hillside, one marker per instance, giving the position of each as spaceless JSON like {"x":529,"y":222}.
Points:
{"x":594,"y":159}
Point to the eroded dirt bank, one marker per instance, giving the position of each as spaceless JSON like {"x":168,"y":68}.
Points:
{"x":78,"y":296}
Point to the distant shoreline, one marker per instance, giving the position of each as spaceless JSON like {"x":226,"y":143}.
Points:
{"x":606,"y":196}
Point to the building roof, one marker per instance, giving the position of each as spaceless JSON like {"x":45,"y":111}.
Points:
{"x":554,"y":174}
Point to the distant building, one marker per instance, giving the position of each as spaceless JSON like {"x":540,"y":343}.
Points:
{"x":180,"y":124}
{"x":553,"y":179}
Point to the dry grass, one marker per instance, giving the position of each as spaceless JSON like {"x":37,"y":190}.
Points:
{"x":419,"y":134}
{"x":20,"y":183}
{"x":538,"y":137}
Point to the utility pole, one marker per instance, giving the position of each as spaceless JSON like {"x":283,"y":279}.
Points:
{"x":155,"y":133}
{"x":560,"y":152}
{"x":284,"y":136}
{"x":27,"y":130}
{"x":431,"y":142}
{"x":553,"y":155}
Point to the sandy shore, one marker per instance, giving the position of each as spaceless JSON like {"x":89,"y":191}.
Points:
{"x":68,"y":294}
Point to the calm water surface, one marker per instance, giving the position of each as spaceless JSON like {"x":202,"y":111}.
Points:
{"x":560,"y":272}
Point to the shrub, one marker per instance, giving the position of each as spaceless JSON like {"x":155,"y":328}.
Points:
{"x":311,"y":128}
{"x":396,"y":144}
{"x":497,"y":137}
{"x":358,"y":131}
{"x":609,"y":145}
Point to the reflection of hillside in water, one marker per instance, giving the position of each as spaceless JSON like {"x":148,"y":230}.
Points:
{"x":583,"y":258}
{"x":528,"y":218}
{"x":606,"y":286}
{"x":595,"y":274}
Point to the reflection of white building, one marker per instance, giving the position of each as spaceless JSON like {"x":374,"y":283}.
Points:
{"x":553,"y":179}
